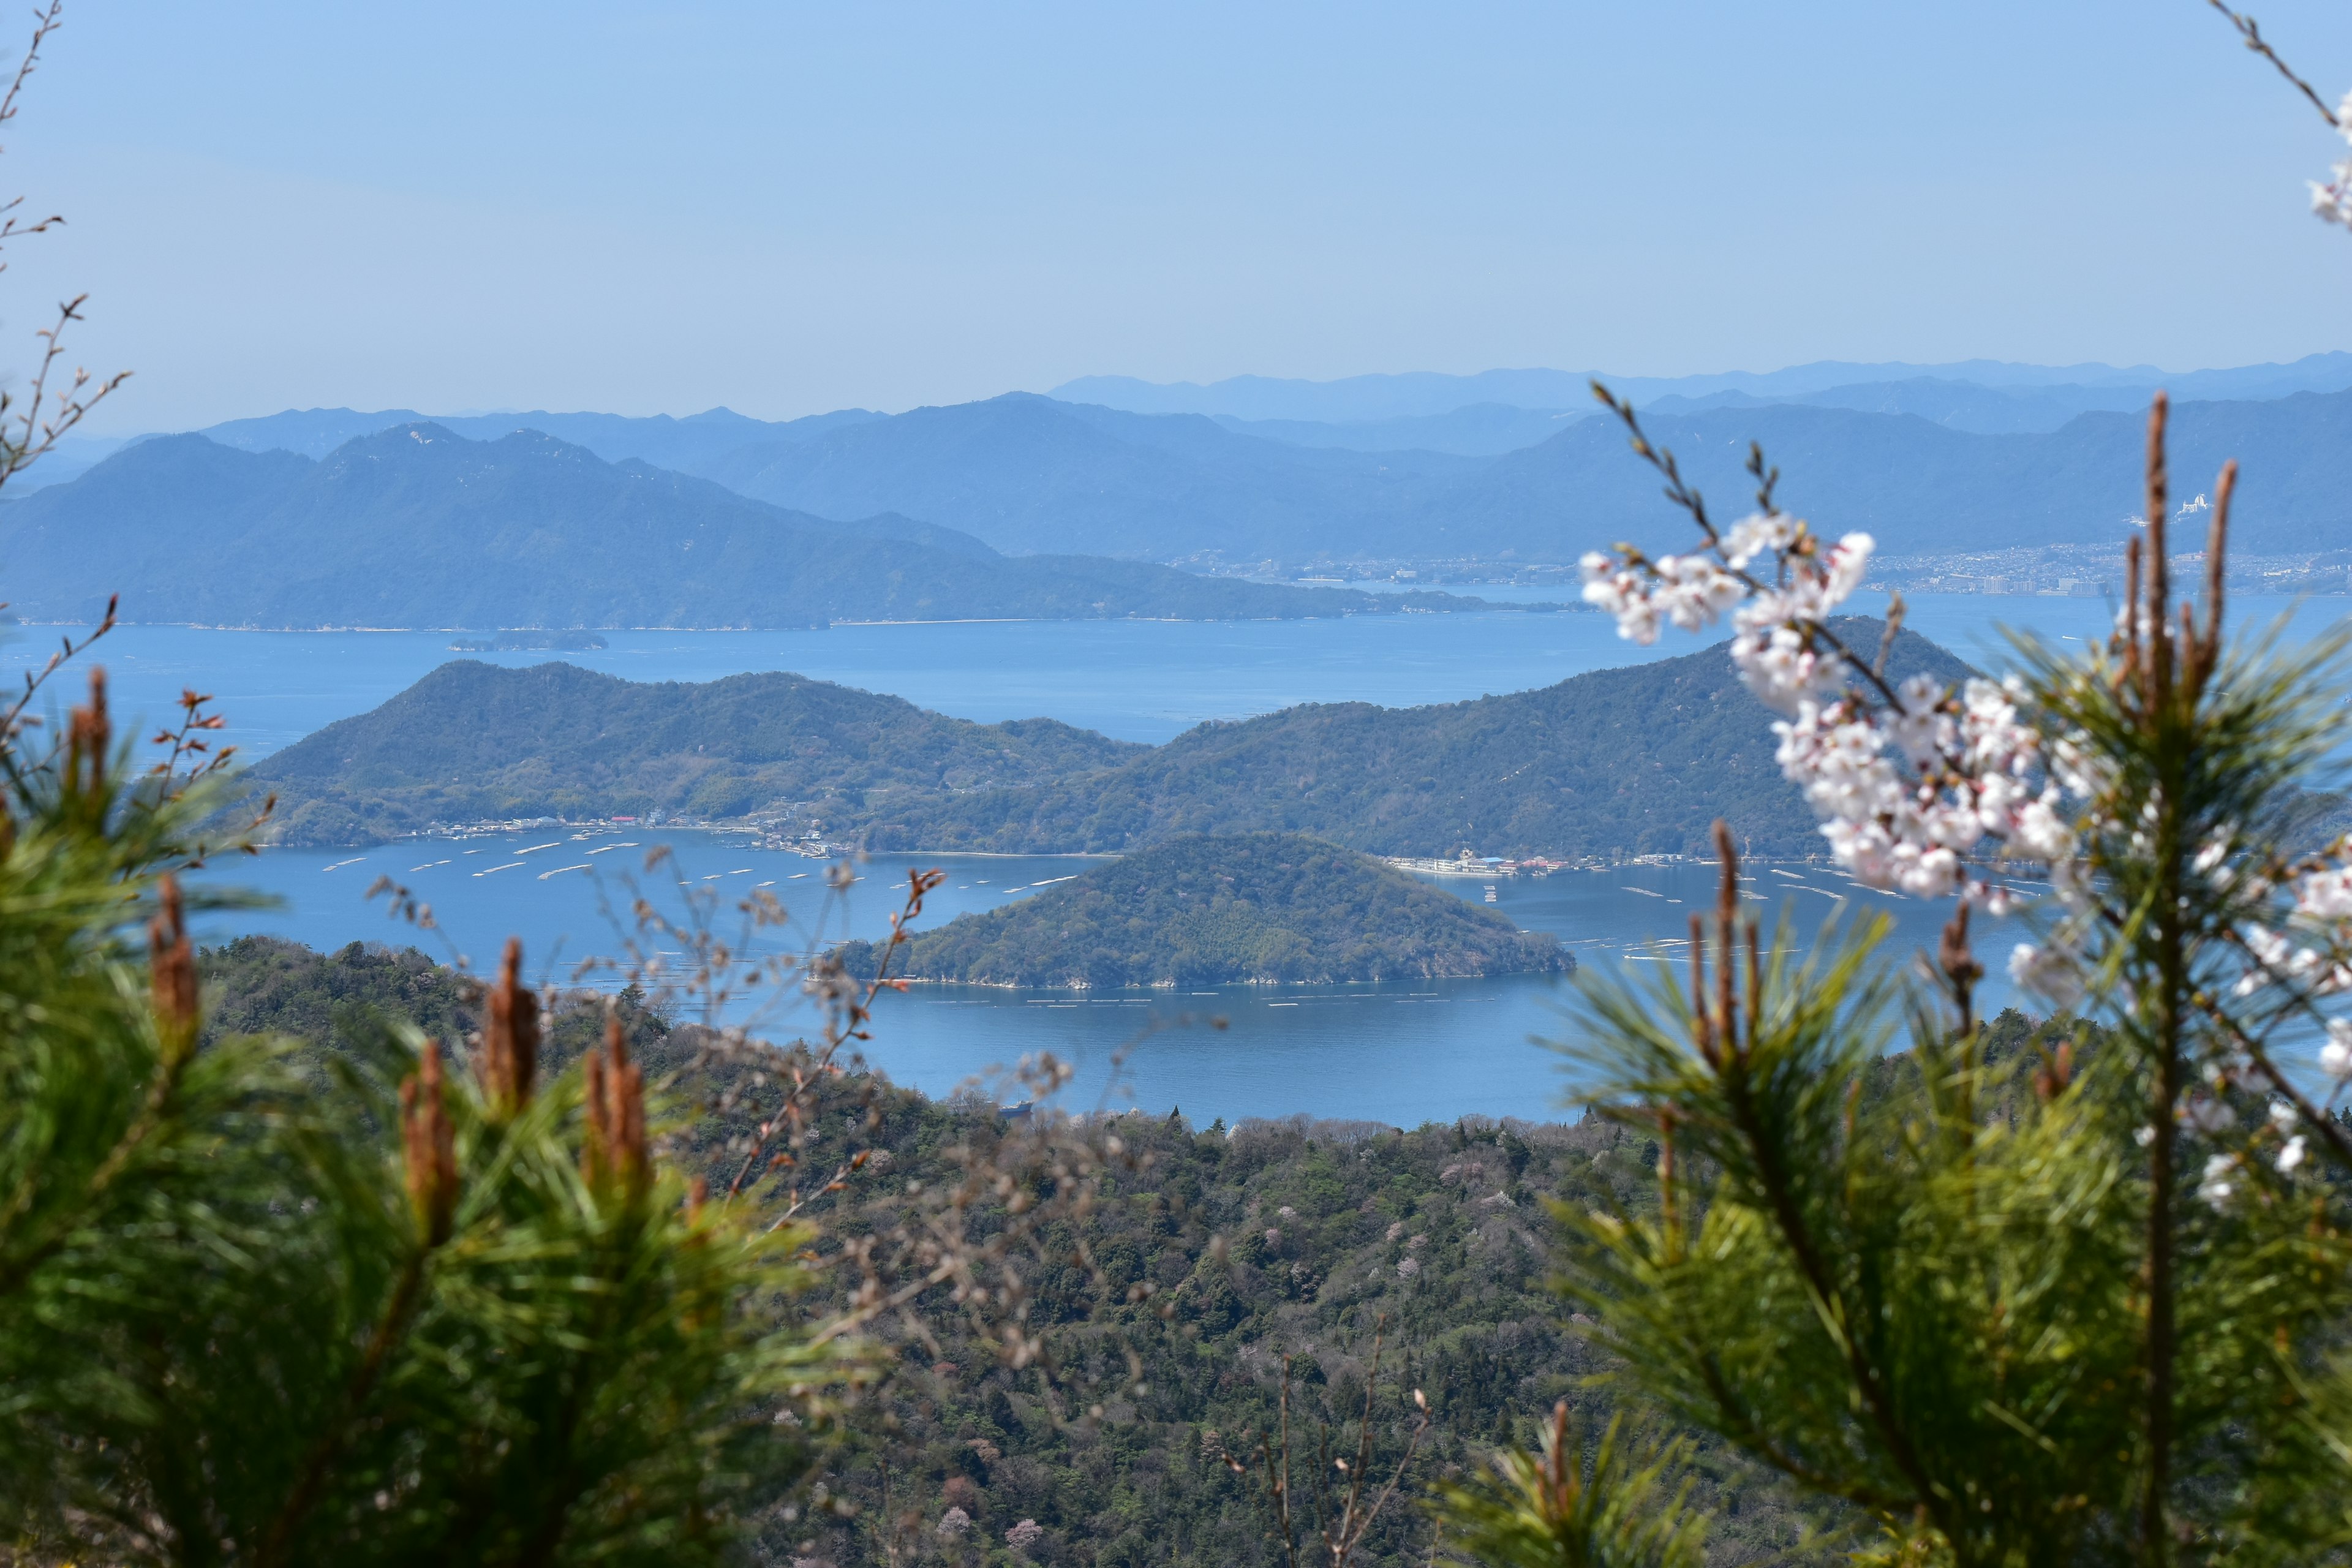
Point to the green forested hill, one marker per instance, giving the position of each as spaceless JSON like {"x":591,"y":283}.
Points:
{"x":475,"y":742}
{"x":1278,"y":1237}
{"x":1639,"y":761}
{"x":1248,"y":907}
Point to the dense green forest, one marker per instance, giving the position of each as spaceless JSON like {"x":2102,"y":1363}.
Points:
{"x":1220,"y":909}
{"x":1639,"y":761}
{"x":416,"y":526}
{"x":473,"y":742}
{"x":1633,"y":761}
{"x":1270,"y":1239}
{"x":1291,"y":1238}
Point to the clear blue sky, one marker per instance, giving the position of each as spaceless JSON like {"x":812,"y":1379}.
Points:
{"x":793,"y":207}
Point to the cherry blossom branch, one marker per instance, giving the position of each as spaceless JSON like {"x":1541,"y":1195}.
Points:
{"x":2330,"y":202}
{"x":2251,"y":34}
{"x":1908,"y":777}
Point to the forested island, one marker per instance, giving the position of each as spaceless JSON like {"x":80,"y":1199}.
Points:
{"x":1214,"y":909}
{"x":1633,"y":761}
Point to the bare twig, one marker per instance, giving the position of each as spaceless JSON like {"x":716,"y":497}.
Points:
{"x":2252,"y":36}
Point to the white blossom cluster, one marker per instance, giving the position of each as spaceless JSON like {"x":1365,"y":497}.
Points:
{"x":1906,"y":783}
{"x":1914,"y":784}
{"x":2333,"y":201}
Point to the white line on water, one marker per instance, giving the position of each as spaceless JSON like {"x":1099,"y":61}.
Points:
{"x":584,"y":866}
{"x":551,"y":844}
{"x":768,"y":883}
{"x":493,"y":870}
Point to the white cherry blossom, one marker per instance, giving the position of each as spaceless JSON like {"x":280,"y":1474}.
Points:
{"x":2335,"y":1056}
{"x":2049,"y":969}
{"x":2217,"y":1185}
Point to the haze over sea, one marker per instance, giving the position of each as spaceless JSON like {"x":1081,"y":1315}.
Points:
{"x":1400,"y":1053}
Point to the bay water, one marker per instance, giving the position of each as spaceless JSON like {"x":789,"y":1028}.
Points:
{"x":1397,"y":1054}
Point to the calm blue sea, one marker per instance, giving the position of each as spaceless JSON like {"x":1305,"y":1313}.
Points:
{"x":1401,"y":1054}
{"x":1396,"y":1054}
{"x":1137,"y":680}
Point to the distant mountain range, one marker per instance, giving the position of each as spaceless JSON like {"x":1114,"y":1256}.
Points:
{"x":666,"y":443}
{"x":416,"y":526}
{"x":1424,"y":393}
{"x":1637,"y":761}
{"x":1028,"y":473}
{"x":1505,"y":467}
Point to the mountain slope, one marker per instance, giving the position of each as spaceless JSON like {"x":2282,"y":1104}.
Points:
{"x":1029,"y":474}
{"x":1426,"y":393}
{"x":1916,"y":484}
{"x":661,"y":440}
{"x":1637,"y":760}
{"x":473,"y":742}
{"x":1255,"y":908}
{"x":416,"y":527}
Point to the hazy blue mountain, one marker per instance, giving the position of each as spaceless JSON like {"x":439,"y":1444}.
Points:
{"x":418,"y":527}
{"x":1917,"y":485}
{"x":1423,"y":392}
{"x":1027,"y":473}
{"x":1961,"y":405}
{"x":2033,"y":408}
{"x":307,"y":432}
{"x":1481,"y":430}
{"x":68,"y":459}
{"x":665,"y":442}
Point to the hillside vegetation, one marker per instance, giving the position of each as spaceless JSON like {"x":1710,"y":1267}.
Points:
{"x":1635,"y":761}
{"x":1276,"y":1237}
{"x":474,"y":741}
{"x":1255,"y":908}
{"x":415,"y":527}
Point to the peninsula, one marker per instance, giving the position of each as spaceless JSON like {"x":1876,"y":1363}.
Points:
{"x":1635,"y":761}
